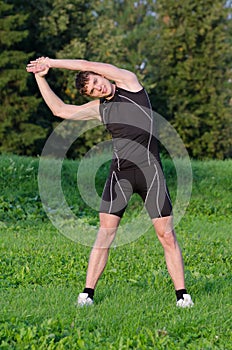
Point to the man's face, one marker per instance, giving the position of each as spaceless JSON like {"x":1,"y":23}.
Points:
{"x":99,"y":86}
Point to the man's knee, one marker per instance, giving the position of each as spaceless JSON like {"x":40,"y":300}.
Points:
{"x":169,"y":239}
{"x":165,"y":232}
{"x":163,"y":225}
{"x":107,"y":230}
{"x":109,"y":222}
{"x":105,"y":237}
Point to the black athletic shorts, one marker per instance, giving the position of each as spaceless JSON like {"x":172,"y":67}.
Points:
{"x":148,"y":182}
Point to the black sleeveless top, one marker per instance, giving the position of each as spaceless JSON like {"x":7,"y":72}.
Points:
{"x":128,"y":116}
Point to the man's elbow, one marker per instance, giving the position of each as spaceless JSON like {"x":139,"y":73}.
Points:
{"x":59,"y":111}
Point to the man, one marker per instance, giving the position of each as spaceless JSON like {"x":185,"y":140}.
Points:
{"x":122,"y":104}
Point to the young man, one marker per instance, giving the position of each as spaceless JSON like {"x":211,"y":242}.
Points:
{"x":122,"y":104}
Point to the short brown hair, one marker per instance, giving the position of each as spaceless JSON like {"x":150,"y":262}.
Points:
{"x":82,"y":79}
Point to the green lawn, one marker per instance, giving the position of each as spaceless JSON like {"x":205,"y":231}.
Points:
{"x":42,"y":272}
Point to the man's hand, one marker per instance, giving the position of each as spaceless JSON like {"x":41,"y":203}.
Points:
{"x":40,"y":66}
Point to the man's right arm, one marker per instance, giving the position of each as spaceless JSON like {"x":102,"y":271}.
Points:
{"x":60,"y":109}
{"x":123,"y":78}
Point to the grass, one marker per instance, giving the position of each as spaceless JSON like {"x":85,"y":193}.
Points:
{"x":42,"y":272}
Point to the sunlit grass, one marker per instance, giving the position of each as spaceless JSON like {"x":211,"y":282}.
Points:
{"x":42,"y":272}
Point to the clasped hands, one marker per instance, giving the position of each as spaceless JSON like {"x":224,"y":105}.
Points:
{"x":40,"y":66}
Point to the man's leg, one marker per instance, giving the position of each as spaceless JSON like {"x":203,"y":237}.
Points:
{"x":173,"y":257}
{"x":99,"y":255}
{"x":172,"y":252}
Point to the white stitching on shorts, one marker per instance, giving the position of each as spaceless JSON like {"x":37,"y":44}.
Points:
{"x":111,"y":190}
{"x":166,"y":191}
{"x":150,"y":187}
{"x":158,"y":190}
{"x":120,"y":186}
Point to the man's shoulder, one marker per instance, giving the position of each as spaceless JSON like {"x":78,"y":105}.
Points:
{"x":130,"y":87}
{"x":129,"y":94}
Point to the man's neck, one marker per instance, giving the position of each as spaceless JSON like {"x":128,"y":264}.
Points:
{"x":111,"y":95}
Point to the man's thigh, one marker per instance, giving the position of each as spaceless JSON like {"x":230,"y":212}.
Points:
{"x":117,"y":192}
{"x":154,"y":192}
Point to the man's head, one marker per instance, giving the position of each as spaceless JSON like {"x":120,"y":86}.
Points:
{"x":94,"y":85}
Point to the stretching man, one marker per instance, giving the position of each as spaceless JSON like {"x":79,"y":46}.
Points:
{"x":122,"y":104}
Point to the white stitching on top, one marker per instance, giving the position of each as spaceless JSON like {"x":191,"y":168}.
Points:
{"x":103,"y":114}
{"x":151,"y":119}
{"x":151,"y":129}
{"x":136,"y":105}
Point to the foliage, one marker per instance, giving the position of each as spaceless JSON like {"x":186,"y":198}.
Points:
{"x":19,"y":131}
{"x":193,"y":54}
{"x":181,"y":52}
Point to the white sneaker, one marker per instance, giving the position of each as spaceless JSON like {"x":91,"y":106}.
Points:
{"x":186,"y":302}
{"x":83,"y":300}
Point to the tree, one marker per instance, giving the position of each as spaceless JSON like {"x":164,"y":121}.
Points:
{"x":181,"y":52}
{"x":193,"y":54}
{"x":52,"y":28}
{"x":95,"y":31}
{"x":66,"y":25}
{"x":19,"y":133}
